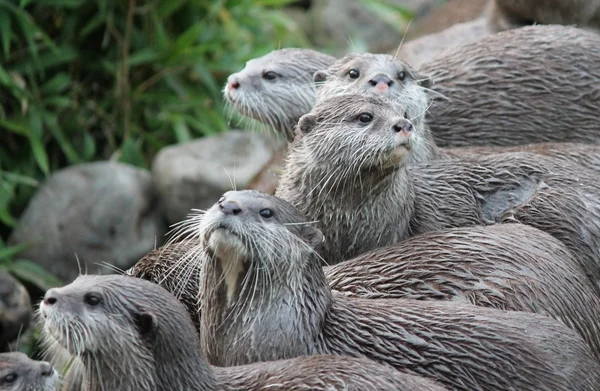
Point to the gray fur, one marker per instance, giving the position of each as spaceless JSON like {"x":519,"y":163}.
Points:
{"x":364,"y":197}
{"x":281,"y":101}
{"x":20,"y":373}
{"x":528,"y":85}
{"x":282,"y":308}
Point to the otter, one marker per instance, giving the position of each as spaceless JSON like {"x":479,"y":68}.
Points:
{"x":352,"y":168}
{"x":132,"y":334}
{"x":20,"y":373}
{"x":508,"y":14}
{"x":15,"y":309}
{"x":278,"y":72}
{"x":505,"y":266}
{"x":268,"y":299}
{"x":500,"y":90}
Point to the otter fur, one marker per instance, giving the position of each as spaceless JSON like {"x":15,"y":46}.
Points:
{"x":504,"y":266}
{"x":261,"y":89}
{"x":268,"y":299}
{"x":132,"y":334}
{"x":20,"y":373}
{"x":363,"y":173}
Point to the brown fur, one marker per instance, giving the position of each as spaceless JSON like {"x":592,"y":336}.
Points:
{"x":157,"y":347}
{"x":277,"y":305}
{"x":528,"y":85}
{"x":506,"y":266}
{"x":358,"y":181}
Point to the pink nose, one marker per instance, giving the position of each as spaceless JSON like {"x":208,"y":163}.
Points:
{"x":382,"y":87}
{"x":232,"y":84}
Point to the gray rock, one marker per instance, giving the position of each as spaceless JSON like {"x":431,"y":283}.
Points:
{"x":351,"y":26}
{"x":96,"y":212}
{"x":15,"y":310}
{"x":194,"y":175}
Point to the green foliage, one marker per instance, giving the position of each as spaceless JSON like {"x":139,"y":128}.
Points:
{"x":84,"y":80}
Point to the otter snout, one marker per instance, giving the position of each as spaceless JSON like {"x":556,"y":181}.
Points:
{"x":233,"y":83}
{"x":403,"y":127}
{"x":381,"y":82}
{"x":229,"y":207}
{"x":46,"y":369}
{"x":50,"y":296}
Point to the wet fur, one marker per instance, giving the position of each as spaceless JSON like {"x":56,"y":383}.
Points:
{"x":283,"y":308}
{"x":505,"y":266}
{"x":31,"y":375}
{"x":362,"y":205}
{"x":167,"y":356}
{"x":290,"y":94}
{"x":528,"y":85}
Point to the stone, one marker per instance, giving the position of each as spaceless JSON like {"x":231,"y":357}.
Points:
{"x":194,"y":175}
{"x":351,"y":26}
{"x":15,"y":310}
{"x":102,"y":212}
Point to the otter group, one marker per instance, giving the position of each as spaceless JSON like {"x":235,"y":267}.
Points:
{"x":434,"y":229}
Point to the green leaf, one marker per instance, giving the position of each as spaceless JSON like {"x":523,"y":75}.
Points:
{"x":5,"y":31}
{"x":57,"y":84}
{"x":182,"y":132}
{"x":61,"y":3}
{"x":13,"y":126}
{"x":167,"y":8}
{"x":143,"y":56}
{"x":65,"y":145}
{"x":131,"y":154}
{"x":34,"y":274}
{"x":7,"y":253}
{"x":89,"y":146}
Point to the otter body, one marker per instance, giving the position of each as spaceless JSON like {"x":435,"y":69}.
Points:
{"x":505,"y":266}
{"x":20,"y":373}
{"x":265,"y":300}
{"x":528,"y":85}
{"x":370,"y":192}
{"x":134,"y":335}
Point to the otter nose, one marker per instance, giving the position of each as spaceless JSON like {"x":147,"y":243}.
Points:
{"x":233,"y":84}
{"x":50,"y":297}
{"x":402,"y":126}
{"x":46,"y":368}
{"x":230,"y":207}
{"x":381,"y":79}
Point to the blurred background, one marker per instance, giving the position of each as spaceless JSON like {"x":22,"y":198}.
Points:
{"x":93,"y":93}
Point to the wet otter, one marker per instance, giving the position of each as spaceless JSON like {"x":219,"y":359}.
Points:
{"x":268,"y":299}
{"x":132,"y":334}
{"x":504,"y":266}
{"x":15,"y":309}
{"x":507,"y":14}
{"x":20,"y":373}
{"x":278,"y":72}
{"x":348,"y":169}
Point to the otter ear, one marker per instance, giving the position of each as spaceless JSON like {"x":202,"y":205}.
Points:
{"x":145,"y":323}
{"x":320,"y":76}
{"x":306,"y":123}
{"x":313,"y":236}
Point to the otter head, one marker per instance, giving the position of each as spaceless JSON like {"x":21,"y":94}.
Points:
{"x":347,"y":135}
{"x":251,"y":232}
{"x":277,"y":89}
{"x":127,"y":331}
{"x":20,"y":373}
{"x":373,"y":73}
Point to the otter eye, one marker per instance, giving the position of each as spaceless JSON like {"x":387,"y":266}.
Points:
{"x":269,"y":75}
{"x":353,"y":73}
{"x":401,"y":75}
{"x":266,"y":213}
{"x":365,"y":118}
{"x":10,"y":378}
{"x":91,"y":299}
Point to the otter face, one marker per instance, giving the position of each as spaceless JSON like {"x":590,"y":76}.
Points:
{"x":276,"y":89}
{"x":247,"y":227}
{"x":370,"y":73}
{"x":91,"y":317}
{"x":368,"y":133}
{"x":20,"y":373}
